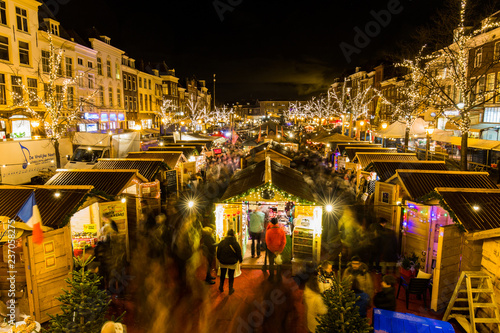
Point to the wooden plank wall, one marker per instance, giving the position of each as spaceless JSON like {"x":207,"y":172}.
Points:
{"x":490,"y":257}
{"x":388,"y":210}
{"x":447,"y":269}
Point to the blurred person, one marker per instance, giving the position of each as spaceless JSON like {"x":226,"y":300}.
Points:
{"x":386,"y":298}
{"x":112,"y":327}
{"x":208,"y":248}
{"x":362,"y":301}
{"x":313,"y":301}
{"x":357,"y":270}
{"x":228,"y":254}
{"x":256,"y":228}
{"x":389,"y":249}
{"x":376,"y":231}
{"x":275,"y":243}
{"x":325,"y":275}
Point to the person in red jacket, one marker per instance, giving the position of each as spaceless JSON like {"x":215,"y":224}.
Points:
{"x":275,"y":242}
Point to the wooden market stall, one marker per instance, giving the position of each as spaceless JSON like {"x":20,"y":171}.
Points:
{"x":284,"y":194}
{"x":193,"y":153}
{"x":421,"y":217}
{"x":276,"y":151}
{"x":127,"y":191}
{"x":40,"y":270}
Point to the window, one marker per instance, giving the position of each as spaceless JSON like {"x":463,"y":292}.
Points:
{"x":496,"y":55}
{"x":108,"y":68}
{"x":140,"y":82}
{"x":491,"y":115}
{"x":80,"y":80}
{"x":69,"y":67}
{"x":101,"y":95}
{"x":118,"y":97}
{"x":149,"y":84}
{"x":126,"y":102}
{"x":17,"y":89}
{"x":141,"y":104}
{"x":117,"y":70}
{"x":90,"y":79}
{"x":80,"y":61}
{"x":3,"y":13}
{"x":99,"y":66}
{"x":3,"y":97}
{"x":59,"y":95}
{"x":70,"y":96}
{"x":33,"y":91}
{"x":150,"y":103}
{"x":129,"y":81}
{"x":4,"y":48}
{"x":125,"y":82}
{"x":490,"y":87}
{"x":110,"y":96}
{"x":135,"y":103}
{"x":54,"y":29}
{"x":133,"y":84}
{"x":478,"y":59}
{"x":22,"y":19}
{"x":90,"y":64}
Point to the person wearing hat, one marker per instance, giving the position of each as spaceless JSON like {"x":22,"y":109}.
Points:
{"x":386,"y":299}
{"x":276,"y":241}
{"x":357,"y":270}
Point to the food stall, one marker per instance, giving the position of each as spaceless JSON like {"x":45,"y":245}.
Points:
{"x":279,"y":192}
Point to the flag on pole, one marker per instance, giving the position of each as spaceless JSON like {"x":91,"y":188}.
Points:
{"x":235,"y":137}
{"x":260,"y":131}
{"x":30,"y":215}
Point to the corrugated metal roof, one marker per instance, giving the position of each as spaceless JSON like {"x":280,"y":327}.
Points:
{"x":187,"y":150}
{"x":148,"y":168}
{"x":342,"y":146}
{"x":52,"y":209}
{"x":112,"y":182}
{"x":287,"y":179}
{"x":12,"y":199}
{"x":462,"y":202}
{"x":418,"y":183}
{"x":200,"y":147}
{"x":246,"y":179}
{"x":169,"y":158}
{"x":352,"y":151}
{"x":280,"y":149}
{"x":387,"y":169}
{"x":290,"y":181}
{"x":364,"y":159}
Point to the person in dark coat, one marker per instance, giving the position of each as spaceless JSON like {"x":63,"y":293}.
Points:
{"x":376,"y":231}
{"x":228,"y":254}
{"x":208,"y":248}
{"x":363,"y":302}
{"x":389,"y":249}
{"x":386,"y":299}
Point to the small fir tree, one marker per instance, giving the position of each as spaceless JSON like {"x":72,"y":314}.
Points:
{"x":343,"y":315}
{"x":84,"y":306}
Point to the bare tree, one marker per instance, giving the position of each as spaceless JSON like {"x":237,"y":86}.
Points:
{"x":196,"y":112}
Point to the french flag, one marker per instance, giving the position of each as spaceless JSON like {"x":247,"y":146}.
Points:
{"x":30,"y":215}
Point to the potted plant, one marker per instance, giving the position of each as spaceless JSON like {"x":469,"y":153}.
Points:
{"x":408,"y":265}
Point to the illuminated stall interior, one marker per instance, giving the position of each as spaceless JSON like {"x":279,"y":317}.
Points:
{"x":280,"y":192}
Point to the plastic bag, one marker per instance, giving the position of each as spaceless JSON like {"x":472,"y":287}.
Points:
{"x":278,"y":259}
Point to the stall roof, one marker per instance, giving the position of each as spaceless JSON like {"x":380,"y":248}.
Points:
{"x":111,"y":182}
{"x":387,"y":169}
{"x":337,"y":138}
{"x":271,"y":145}
{"x":187,"y":150}
{"x":352,"y":151}
{"x":462,"y":201}
{"x":418,"y":183}
{"x":342,"y":146}
{"x":170,"y":158}
{"x":287,"y":179}
{"x":53,"y":210}
{"x":147,"y":167}
{"x":365,"y":158}
{"x":200,"y":147}
{"x":472,"y":143}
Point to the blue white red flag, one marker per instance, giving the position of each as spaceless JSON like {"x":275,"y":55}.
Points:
{"x":30,"y":215}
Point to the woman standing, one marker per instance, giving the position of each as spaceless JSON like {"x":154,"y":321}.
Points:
{"x":228,"y":254}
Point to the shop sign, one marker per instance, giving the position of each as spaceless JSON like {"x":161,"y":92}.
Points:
{"x":90,"y":228}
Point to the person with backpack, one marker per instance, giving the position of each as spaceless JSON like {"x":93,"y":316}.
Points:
{"x":228,"y":254}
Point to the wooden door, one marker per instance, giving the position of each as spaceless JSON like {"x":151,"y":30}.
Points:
{"x":48,"y":265}
{"x":448,"y":268}
{"x":416,"y":236}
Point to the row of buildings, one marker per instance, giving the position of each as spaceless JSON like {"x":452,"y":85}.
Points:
{"x":122,"y":93}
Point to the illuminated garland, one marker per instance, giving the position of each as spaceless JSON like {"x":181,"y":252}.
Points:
{"x":269,"y":186}
{"x":434,"y":195}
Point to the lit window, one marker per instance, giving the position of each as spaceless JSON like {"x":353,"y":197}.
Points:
{"x":17,"y":89}
{"x":479,"y":57}
{"x":33,"y":91}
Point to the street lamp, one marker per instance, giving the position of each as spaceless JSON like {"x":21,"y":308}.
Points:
{"x":384,"y":125}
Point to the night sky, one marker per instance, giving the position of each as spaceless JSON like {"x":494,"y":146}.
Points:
{"x":261,"y":49}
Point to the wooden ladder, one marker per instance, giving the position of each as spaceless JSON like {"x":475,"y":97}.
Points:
{"x":477,"y":284}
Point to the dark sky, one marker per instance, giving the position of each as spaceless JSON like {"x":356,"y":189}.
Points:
{"x":271,"y":49}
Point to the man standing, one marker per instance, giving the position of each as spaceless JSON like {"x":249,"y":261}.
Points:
{"x":275,"y":241}
{"x":256,"y":228}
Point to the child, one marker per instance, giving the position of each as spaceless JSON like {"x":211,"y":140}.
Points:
{"x":386,"y":299}
{"x":325,"y":276}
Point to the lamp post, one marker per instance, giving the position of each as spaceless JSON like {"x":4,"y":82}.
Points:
{"x":429,"y":132}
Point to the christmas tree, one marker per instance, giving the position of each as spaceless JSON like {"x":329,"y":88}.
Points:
{"x":84,"y":306}
{"x":343,"y":315}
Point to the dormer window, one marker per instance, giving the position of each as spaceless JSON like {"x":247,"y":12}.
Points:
{"x":52,"y":26}
{"x":54,"y":29}
{"x":106,"y":40}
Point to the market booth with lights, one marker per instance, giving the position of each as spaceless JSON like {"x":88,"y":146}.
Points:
{"x":280,"y":192}
{"x":421,"y":216}
{"x":40,"y":269}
